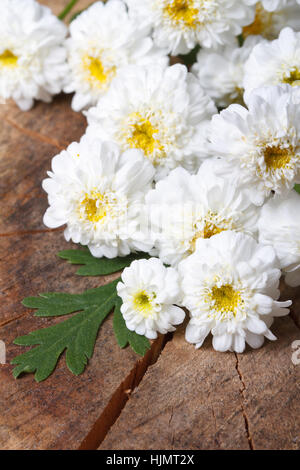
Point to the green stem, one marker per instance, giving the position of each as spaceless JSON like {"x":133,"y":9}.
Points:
{"x":67,"y":10}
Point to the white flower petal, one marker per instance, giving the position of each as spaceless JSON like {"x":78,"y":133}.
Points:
{"x":144,"y":302}
{"x":252,"y":140}
{"x":104,"y":39}
{"x":227,"y":299}
{"x":196,"y":334}
{"x":222,"y":343}
{"x":254,"y":340}
{"x":271,"y":63}
{"x":256,"y":326}
{"x":213,"y":23}
{"x":32,"y":52}
{"x":238,"y":343}
{"x":157,"y":110}
{"x":85,"y":192}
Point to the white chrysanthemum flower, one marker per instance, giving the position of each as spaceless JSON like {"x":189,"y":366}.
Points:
{"x":268,"y":24}
{"x":221,"y":72}
{"x":32,"y":52}
{"x":161,"y":111}
{"x":230,"y":286}
{"x":103,"y":40}
{"x":181,"y":24}
{"x":274,"y":63}
{"x":148,"y":291}
{"x":98,"y":193}
{"x":183,"y":208}
{"x":279,"y":226}
{"x":263,"y":141}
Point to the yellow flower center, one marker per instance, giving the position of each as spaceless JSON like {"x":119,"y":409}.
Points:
{"x":277,"y":157}
{"x":293,"y":78}
{"x":8,"y":59}
{"x":239,"y":91}
{"x":142,"y":303}
{"x":211,"y":229}
{"x":182,"y":11}
{"x":142,"y":137}
{"x":95,"y":206}
{"x":226,"y":299}
{"x":96,"y":71}
{"x":208,"y":231}
{"x":213,"y":224}
{"x":261,"y":23}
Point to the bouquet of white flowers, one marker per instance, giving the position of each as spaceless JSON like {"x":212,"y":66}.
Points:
{"x":187,"y":175}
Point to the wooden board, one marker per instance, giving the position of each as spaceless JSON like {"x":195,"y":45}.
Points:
{"x":207,"y":400}
{"x":187,"y":399}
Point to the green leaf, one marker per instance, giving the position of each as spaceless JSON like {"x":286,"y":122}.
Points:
{"x":190,"y":58}
{"x":77,"y":335}
{"x":241,"y":40}
{"x":98,"y":266}
{"x":55,"y":304}
{"x":139,"y":344}
{"x":67,"y":9}
{"x":297,"y":188}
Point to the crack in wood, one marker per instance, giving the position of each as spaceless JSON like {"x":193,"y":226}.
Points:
{"x":173,"y":431}
{"x":242,"y":392}
{"x":215,"y":423}
{"x":13,"y":319}
{"x":121,"y":395}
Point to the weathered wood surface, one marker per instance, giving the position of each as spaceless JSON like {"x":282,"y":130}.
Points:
{"x":206,"y":400}
{"x":63,"y":411}
{"x":187,"y":400}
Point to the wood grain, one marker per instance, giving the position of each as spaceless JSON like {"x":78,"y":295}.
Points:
{"x":207,"y":400}
{"x":187,"y":400}
{"x":27,"y":248}
{"x":61,"y":412}
{"x":64,"y":411}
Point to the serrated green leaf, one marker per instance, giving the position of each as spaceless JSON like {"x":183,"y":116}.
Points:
{"x":55,"y":304}
{"x":77,"y":335}
{"x":297,"y":188}
{"x":139,"y":344}
{"x":98,"y":266}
